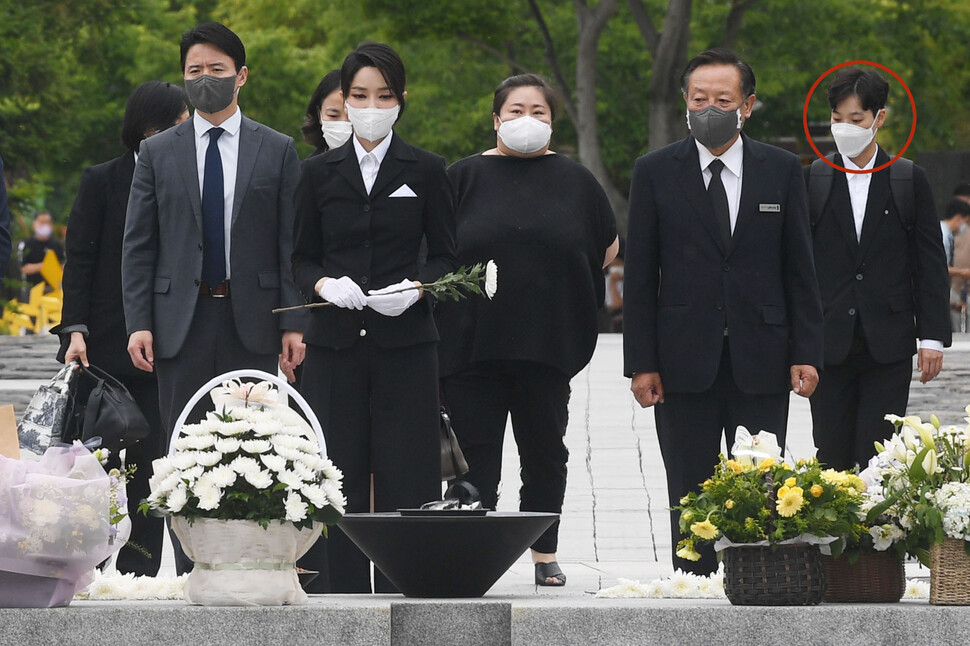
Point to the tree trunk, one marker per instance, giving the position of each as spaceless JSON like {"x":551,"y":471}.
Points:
{"x":590,"y":23}
{"x":667,"y":109}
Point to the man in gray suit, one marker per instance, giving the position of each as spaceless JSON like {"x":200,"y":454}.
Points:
{"x":208,"y":235}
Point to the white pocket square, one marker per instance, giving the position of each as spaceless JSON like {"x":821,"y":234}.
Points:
{"x":403,"y":191}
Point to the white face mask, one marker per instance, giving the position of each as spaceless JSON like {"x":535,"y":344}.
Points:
{"x":372,"y":124}
{"x":336,"y":133}
{"x":43,"y":230}
{"x":850,"y":139}
{"x":525,"y":135}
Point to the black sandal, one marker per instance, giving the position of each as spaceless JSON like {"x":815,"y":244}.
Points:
{"x":547,"y":571}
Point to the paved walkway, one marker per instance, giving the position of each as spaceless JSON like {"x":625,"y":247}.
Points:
{"x":614,"y":522}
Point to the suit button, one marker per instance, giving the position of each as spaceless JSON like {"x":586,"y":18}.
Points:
{"x":725,"y":267}
{"x":720,"y":307}
{"x":366,"y":244}
{"x":200,"y":247}
{"x":366,"y":208}
{"x":197,"y":282}
{"x":858,"y":276}
{"x":851,"y":311}
{"x":363,"y":280}
{"x":363,"y":332}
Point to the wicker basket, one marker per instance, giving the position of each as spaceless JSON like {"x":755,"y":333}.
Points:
{"x":949,"y":574}
{"x":781,"y":575}
{"x":877,"y":577}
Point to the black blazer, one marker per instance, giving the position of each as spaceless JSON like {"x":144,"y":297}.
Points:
{"x":895,"y":283}
{"x":763,"y":289}
{"x":92,"y":274}
{"x":375,"y":239}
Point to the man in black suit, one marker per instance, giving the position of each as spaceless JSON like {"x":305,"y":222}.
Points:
{"x":882,"y":274}
{"x":735,"y":322}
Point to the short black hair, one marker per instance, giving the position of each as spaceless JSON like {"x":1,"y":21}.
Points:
{"x":867,"y":84}
{"x":720,"y":56}
{"x":217,"y":35}
{"x":524,"y":80}
{"x":962,"y":190}
{"x":154,"y":105}
{"x":956,"y":207}
{"x":387,"y":62}
{"x":40,"y":213}
{"x":329,"y":84}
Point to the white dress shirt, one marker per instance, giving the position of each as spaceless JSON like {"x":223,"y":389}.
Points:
{"x":229,"y":151}
{"x":370,"y":162}
{"x":858,"y":191}
{"x":733,"y":159}
{"x":948,"y":238}
{"x":859,"y":196}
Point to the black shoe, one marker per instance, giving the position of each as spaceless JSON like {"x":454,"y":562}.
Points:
{"x":550,"y":574}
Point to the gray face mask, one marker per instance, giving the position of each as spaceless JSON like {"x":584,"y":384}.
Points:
{"x":712,"y":127}
{"x":210,"y":94}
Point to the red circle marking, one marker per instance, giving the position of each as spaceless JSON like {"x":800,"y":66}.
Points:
{"x":808,"y":98}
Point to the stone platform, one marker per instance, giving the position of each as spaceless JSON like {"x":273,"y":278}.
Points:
{"x":386,"y":620}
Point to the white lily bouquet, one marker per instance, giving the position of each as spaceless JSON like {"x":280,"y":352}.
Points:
{"x":59,"y":518}
{"x":253,"y":459}
{"x":250,"y":490}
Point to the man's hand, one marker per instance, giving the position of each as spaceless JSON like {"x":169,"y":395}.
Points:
{"x":77,"y":350}
{"x":294,"y":350}
{"x":647,"y":388}
{"x":804,"y":379}
{"x":929,"y":363}
{"x":140,"y":350}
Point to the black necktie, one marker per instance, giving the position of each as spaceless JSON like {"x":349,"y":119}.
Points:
{"x":213,"y":214}
{"x":719,"y":201}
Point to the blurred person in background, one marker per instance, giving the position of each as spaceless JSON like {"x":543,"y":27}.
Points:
{"x":92,"y":325}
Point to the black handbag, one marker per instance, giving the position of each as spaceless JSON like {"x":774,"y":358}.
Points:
{"x":453,"y":464}
{"x":104,"y":408}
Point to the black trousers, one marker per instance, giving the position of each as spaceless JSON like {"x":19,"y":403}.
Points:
{"x":211,"y":348}
{"x":689,"y":426}
{"x":379,"y":412}
{"x":147,"y":532}
{"x":480,"y":400}
{"x":851,"y":402}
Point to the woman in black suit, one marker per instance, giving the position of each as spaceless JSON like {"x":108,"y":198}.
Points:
{"x":325,"y":125}
{"x":371,"y":369}
{"x":546,"y":222}
{"x":92,"y":325}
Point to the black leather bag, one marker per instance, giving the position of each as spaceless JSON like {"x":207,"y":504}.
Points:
{"x":453,"y":464}
{"x":104,"y":408}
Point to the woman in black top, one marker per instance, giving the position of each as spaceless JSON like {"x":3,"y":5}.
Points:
{"x":548,"y":225}
{"x":93,"y":321}
{"x":371,"y":367}
{"x":325,"y":125}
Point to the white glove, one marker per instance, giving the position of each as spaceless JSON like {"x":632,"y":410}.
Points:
{"x":343,"y":292}
{"x":386,"y":302}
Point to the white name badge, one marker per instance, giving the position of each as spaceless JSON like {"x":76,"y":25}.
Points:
{"x":769,"y":208}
